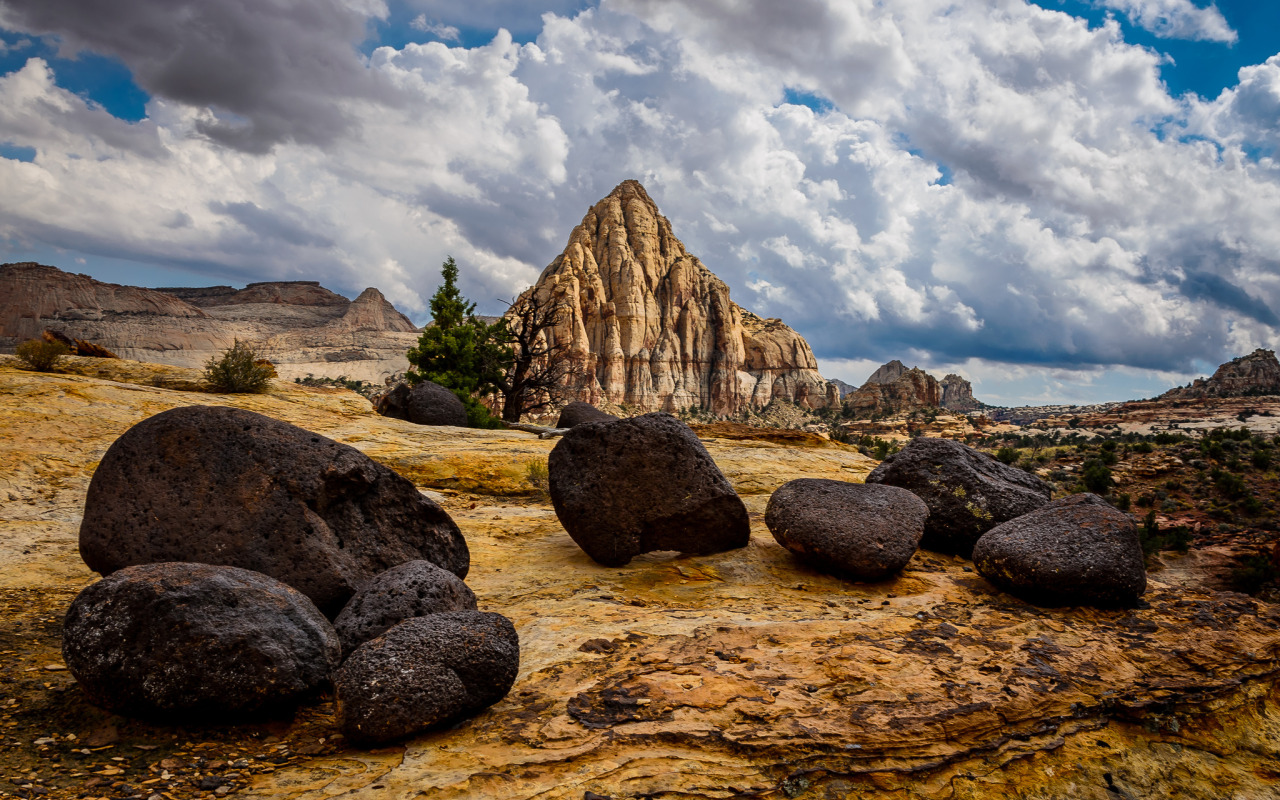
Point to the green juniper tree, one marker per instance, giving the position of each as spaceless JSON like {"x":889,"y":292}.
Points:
{"x":460,"y":351}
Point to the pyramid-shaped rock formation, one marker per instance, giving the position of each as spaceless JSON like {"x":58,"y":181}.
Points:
{"x":656,"y":330}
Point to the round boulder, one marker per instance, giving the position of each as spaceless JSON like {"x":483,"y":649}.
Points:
{"x":412,"y":589}
{"x":579,"y":412}
{"x":221,"y":485}
{"x":859,"y":531}
{"x":174,"y":638}
{"x":423,"y":403}
{"x":641,"y":484}
{"x":1072,"y":552}
{"x":427,"y":671}
{"x":968,"y":492}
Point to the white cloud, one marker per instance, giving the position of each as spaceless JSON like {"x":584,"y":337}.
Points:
{"x":1176,"y":19}
{"x":447,"y":33}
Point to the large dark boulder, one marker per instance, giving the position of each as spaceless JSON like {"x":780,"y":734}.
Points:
{"x":423,"y":403}
{"x":864,"y":532}
{"x":175,"y":639}
{"x":425,"y":672}
{"x":225,"y":486}
{"x":412,"y":589}
{"x":968,"y":493}
{"x":641,"y":484}
{"x":578,"y":412}
{"x":1077,"y":550}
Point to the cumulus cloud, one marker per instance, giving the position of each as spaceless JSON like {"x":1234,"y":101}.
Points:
{"x":441,"y":31}
{"x":990,"y":184}
{"x":1176,"y":19}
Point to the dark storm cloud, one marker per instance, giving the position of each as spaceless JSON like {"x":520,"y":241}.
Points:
{"x":269,"y":69}
{"x":1218,"y":290}
{"x":271,"y":225}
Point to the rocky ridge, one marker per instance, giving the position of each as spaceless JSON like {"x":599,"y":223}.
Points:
{"x":657,"y":331}
{"x":895,"y":389}
{"x":738,"y":673}
{"x":300,"y":326}
{"x":1255,"y":374}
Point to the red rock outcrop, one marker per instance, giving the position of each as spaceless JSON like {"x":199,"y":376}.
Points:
{"x":300,"y":326}
{"x":656,"y":329}
{"x":895,"y":389}
{"x":1255,"y":374}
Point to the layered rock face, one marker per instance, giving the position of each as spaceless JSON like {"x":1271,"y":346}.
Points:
{"x":656,"y":330}
{"x":895,"y":389}
{"x":1255,"y":374}
{"x":301,"y":326}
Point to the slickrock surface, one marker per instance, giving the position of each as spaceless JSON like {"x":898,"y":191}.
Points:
{"x":657,"y":329}
{"x":299,"y":325}
{"x":729,"y":675}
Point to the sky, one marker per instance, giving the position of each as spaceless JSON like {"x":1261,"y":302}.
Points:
{"x":1064,"y":201}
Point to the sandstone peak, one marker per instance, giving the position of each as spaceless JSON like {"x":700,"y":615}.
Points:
{"x":1255,"y":374}
{"x":895,"y":388}
{"x":656,"y":329}
{"x":371,"y":311}
{"x":888,"y":373}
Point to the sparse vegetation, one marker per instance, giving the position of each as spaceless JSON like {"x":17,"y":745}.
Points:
{"x":537,"y":475}
{"x":42,"y":355}
{"x":364,"y":388}
{"x":239,"y":370}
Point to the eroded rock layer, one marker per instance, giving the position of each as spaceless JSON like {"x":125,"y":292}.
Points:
{"x":656,"y":330}
{"x":1255,"y":374}
{"x":299,"y":325}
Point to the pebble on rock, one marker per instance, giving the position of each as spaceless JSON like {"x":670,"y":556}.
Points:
{"x":426,"y":672}
{"x":864,"y":532}
{"x":221,"y":485}
{"x":968,"y":492}
{"x":642,"y":484}
{"x":1077,"y":550}
{"x":173,"y":639}
{"x":412,"y":589}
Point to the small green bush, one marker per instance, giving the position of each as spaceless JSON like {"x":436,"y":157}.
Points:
{"x":41,"y":355}
{"x":239,"y":370}
{"x":1007,"y":455}
{"x":1255,"y":574}
{"x":1096,"y":477}
{"x":537,"y":475}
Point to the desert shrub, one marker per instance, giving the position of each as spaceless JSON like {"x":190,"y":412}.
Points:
{"x":1096,"y":477}
{"x":537,"y":475}
{"x":1254,"y":574}
{"x":1230,"y":484}
{"x":1261,"y":459}
{"x":42,"y":355}
{"x":1123,"y":501}
{"x":238,"y":371}
{"x":1007,"y":455}
{"x":1143,"y":447}
{"x":1153,"y":540}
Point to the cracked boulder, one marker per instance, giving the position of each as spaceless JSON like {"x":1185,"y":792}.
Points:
{"x":968,"y":492}
{"x":220,"y":485}
{"x":412,"y":589}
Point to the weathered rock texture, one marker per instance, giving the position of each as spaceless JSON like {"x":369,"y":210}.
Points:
{"x":762,"y":677}
{"x":177,"y":638}
{"x":427,"y":671}
{"x":957,"y":394}
{"x":968,"y":492}
{"x":423,"y":403}
{"x":221,"y":485}
{"x":641,"y":484}
{"x":864,"y":532}
{"x":412,"y":589}
{"x":578,"y":412}
{"x":1077,"y":550}
{"x":656,"y":329}
{"x":895,"y":389}
{"x":1255,"y":374}
{"x":299,"y":325}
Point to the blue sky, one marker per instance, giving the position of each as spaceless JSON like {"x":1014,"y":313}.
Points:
{"x":1070,"y":200}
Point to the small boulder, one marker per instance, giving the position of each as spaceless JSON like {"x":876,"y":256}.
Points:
{"x":221,"y":485}
{"x":423,"y":403}
{"x":412,"y":589}
{"x":174,"y":638}
{"x":1075,"y":551}
{"x":968,"y":492}
{"x":579,"y":412}
{"x":427,"y":671}
{"x":641,"y":484}
{"x":865,"y":532}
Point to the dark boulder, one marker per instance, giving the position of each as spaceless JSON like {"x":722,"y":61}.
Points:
{"x":1074,"y":551}
{"x":224,"y":486}
{"x":423,"y":403}
{"x":174,"y":639}
{"x":641,"y":484}
{"x":579,"y":412}
{"x":968,"y":493}
{"x":425,"y":672}
{"x":412,"y":589}
{"x":864,"y":532}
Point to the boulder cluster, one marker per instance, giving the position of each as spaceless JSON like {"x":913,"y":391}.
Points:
{"x":625,"y":487}
{"x":422,"y":403}
{"x":228,"y":541}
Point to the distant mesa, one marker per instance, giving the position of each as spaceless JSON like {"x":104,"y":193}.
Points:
{"x":300,"y":326}
{"x":1255,"y":374}
{"x":895,"y":389}
{"x":656,"y":331}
